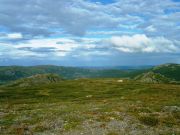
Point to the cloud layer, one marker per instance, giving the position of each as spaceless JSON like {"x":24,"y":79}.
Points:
{"x":88,"y":29}
{"x":142,"y":43}
{"x":44,"y":17}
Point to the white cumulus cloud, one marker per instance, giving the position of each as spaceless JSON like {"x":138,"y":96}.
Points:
{"x":14,"y":36}
{"x":142,"y":43}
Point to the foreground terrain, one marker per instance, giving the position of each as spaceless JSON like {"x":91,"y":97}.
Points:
{"x":90,"y":107}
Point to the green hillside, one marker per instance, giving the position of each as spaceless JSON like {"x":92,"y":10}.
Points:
{"x":169,"y":70}
{"x":151,"y":77}
{"x":88,"y":106}
{"x":38,"y":79}
{"x":39,"y":101}
{"x":12,"y":73}
{"x":166,"y":73}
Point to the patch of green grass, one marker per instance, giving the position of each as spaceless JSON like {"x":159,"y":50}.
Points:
{"x":169,"y":121}
{"x":41,"y":128}
{"x":112,"y":133}
{"x":176,"y":115}
{"x":72,"y":121}
{"x":149,"y":120}
{"x":42,"y":106}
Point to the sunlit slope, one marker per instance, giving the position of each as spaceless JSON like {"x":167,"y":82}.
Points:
{"x":102,"y":106}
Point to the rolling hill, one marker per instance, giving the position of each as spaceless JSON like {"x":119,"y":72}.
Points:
{"x":151,"y":77}
{"x":39,"y":101}
{"x":11,"y":73}
{"x":168,"y":70}
{"x":38,"y":79}
{"x":89,"y":107}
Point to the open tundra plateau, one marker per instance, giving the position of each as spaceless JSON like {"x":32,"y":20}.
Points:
{"x":147,"y":103}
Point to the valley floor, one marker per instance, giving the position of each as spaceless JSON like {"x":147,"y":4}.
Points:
{"x":90,"y":107}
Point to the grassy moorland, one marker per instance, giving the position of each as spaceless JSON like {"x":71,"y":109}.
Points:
{"x":90,"y":107}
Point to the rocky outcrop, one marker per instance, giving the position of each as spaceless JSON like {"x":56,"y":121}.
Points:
{"x":151,"y":77}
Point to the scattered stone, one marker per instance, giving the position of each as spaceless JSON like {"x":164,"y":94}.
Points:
{"x":89,"y":96}
{"x":24,"y":130}
{"x":120,"y":81}
{"x":171,"y":109}
{"x":2,"y":114}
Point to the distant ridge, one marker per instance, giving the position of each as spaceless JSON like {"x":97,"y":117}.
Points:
{"x":12,"y":73}
{"x":37,"y":80}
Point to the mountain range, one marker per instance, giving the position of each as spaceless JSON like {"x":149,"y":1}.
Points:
{"x":164,"y":72}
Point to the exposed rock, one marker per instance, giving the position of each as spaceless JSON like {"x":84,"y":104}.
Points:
{"x":171,"y":109}
{"x":120,"y":81}
{"x":151,"y":77}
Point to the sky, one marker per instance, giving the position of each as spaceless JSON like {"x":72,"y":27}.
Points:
{"x":89,"y":32}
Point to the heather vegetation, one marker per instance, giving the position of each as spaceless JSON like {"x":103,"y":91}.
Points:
{"x":51,"y":105}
